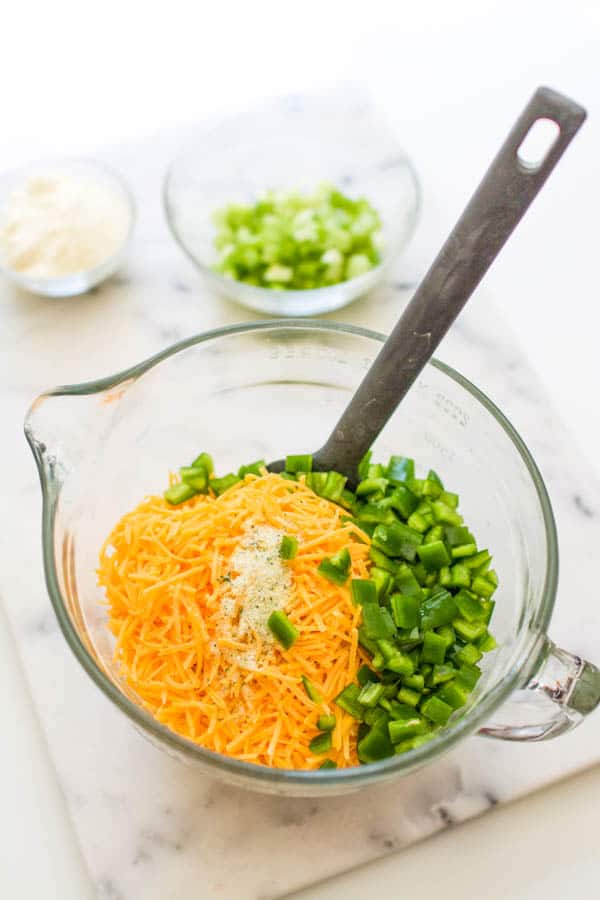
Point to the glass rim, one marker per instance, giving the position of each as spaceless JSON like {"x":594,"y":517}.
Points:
{"x":355,"y":775}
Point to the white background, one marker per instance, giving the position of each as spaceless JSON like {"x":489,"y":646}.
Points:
{"x":451,"y":77}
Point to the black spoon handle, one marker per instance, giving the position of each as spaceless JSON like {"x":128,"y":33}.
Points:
{"x":494,"y":210}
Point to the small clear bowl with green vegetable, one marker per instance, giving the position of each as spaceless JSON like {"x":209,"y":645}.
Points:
{"x":293,"y":212}
{"x":271,"y":389}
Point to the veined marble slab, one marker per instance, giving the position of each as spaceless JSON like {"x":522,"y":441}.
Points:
{"x":150,"y":827}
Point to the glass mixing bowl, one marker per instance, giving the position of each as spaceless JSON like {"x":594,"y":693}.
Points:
{"x":284,"y":147}
{"x":265,"y":390}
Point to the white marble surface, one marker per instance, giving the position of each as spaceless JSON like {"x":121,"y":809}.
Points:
{"x":147,"y":826}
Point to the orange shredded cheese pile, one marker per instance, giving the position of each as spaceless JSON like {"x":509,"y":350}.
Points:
{"x":167,"y":572}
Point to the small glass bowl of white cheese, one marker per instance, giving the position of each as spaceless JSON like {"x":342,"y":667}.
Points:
{"x":65,"y":226}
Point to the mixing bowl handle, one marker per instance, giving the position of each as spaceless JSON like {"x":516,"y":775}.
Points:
{"x":563,"y":689}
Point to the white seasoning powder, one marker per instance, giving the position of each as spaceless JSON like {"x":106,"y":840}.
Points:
{"x":262,"y":585}
{"x":59,"y":224}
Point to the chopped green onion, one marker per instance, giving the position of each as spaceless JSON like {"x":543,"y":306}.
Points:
{"x":282,"y":629}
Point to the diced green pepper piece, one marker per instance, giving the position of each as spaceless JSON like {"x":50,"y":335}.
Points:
{"x":326,"y":723}
{"x":482,"y":586}
{"x":403,"y":501}
{"x":492,"y":577}
{"x":334,"y":486}
{"x":438,"y":609}
{"x":321,"y":743}
{"x":220,"y":485}
{"x":436,"y":533}
{"x":408,"y":696}
{"x":461,"y":577}
{"x":299,"y":463}
{"x":418,"y":522}
{"x":406,"y":582}
{"x":456,"y":535}
{"x":363,"y":466}
{"x":434,"y":555}
{"x":327,"y":569}
{"x":445,"y":577}
{"x":470,"y":607}
{"x":468,"y":676}
{"x":453,"y":694}
{"x":255,"y":468}
{"x":376,"y":471}
{"x":415,"y":682}
{"x":469,"y":654}
{"x":401,"y":729}
{"x":376,"y":744}
{"x":363,"y":590}
{"x":383,"y":581}
{"x":289,"y":547}
{"x":347,"y":700}
{"x":447,"y":633}
{"x":405,"y":610}
{"x":434,"y":648}
{"x":487,"y":643}
{"x":432,"y":475}
{"x":311,"y":690}
{"x":377,"y":622}
{"x":449,"y":499}
{"x":371,"y":694}
{"x":464,"y":550}
{"x":430,"y":488}
{"x":366,"y":675}
{"x":204,"y":461}
{"x":282,"y":629}
{"x":382,"y":561}
{"x":371,"y":486}
{"x":374,"y":513}
{"x":444,"y":514}
{"x":400,"y":663}
{"x":436,"y":710}
{"x":442,"y":673}
{"x":179,"y":493}
{"x":328,"y":764}
{"x":469,"y":631}
{"x":397,"y":539}
{"x":196,"y":477}
{"x":400,"y":468}
{"x":478,"y":559}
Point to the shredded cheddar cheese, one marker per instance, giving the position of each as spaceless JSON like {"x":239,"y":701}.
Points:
{"x":183,"y":588}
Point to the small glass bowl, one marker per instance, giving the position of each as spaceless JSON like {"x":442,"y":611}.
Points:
{"x":293,"y":144}
{"x":76,"y":282}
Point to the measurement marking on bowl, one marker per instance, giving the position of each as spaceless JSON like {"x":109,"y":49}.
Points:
{"x":451,"y":409}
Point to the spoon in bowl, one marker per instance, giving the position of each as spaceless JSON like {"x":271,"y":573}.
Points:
{"x":506,"y":191}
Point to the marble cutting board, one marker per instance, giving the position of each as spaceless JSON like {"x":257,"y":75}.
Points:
{"x":148,"y":826}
